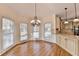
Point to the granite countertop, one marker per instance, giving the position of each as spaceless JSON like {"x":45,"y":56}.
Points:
{"x":69,"y":36}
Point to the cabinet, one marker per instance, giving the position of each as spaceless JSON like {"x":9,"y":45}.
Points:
{"x":69,"y":43}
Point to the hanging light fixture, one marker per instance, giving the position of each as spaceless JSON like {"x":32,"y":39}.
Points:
{"x":66,"y":22}
{"x":76,"y":19}
{"x":35,"y":21}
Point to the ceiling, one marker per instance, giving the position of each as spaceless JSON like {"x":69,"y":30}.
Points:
{"x":43,"y":9}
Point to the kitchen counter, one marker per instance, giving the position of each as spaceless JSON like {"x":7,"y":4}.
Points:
{"x":68,"y":42}
{"x":68,"y":36}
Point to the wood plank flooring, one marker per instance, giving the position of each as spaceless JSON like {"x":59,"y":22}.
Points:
{"x":37,"y":48}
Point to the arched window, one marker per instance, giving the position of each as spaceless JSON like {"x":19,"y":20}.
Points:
{"x":8,"y":30}
{"x":35,"y":32}
{"x":23,"y":31}
{"x":47,"y":33}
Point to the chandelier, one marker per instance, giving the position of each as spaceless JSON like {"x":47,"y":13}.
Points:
{"x":35,"y":21}
{"x":76,"y":19}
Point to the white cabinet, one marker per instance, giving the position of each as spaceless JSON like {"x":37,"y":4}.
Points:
{"x":61,"y":41}
{"x":68,"y":43}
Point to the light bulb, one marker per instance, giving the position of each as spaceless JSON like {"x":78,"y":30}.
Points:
{"x":76,"y":20}
{"x":33,"y":21}
{"x":66,"y":22}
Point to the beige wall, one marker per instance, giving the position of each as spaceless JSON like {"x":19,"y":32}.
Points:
{"x":53,"y":20}
{"x":17,"y":19}
{"x":6,"y":12}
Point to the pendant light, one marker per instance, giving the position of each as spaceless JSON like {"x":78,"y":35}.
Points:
{"x":66,"y":22}
{"x":76,"y":19}
{"x":35,"y":21}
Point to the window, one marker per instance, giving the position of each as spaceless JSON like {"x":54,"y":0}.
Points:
{"x":47,"y":33}
{"x":8,"y":30}
{"x":23,"y":31}
{"x":36,"y":32}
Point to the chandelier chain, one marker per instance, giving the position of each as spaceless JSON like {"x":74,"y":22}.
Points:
{"x":75,"y":10}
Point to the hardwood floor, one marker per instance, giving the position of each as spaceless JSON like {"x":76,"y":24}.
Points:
{"x":37,"y":48}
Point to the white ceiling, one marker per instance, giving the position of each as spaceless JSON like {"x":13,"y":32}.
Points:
{"x":43,"y":9}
